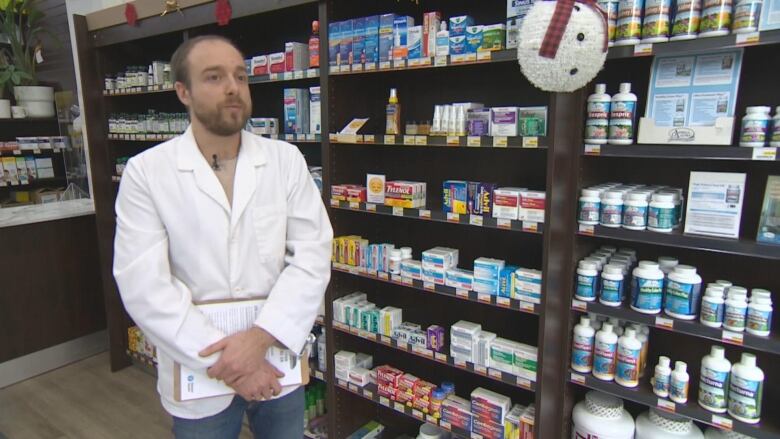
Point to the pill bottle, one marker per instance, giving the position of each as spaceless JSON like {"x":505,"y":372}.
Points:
{"x":642,"y":336}
{"x":683,"y":293}
{"x":430,"y":431}
{"x":661,"y":213}
{"x":755,"y":126}
{"x":735,"y":312}
{"x":604,"y":353}
{"x":662,"y":377}
{"x":715,"y":433}
{"x":629,"y":22}
{"x":713,"y":380}
{"x":448,"y":387}
{"x":755,"y":293}
{"x":712,"y":308}
{"x":625,"y":251}
{"x":657,"y":424}
{"x":667,"y":264}
{"x":587,"y":281}
{"x":759,"y":316}
{"x":623,"y":107}
{"x":582,"y":346}
{"x":746,"y":16}
{"x":610,"y":8}
{"x":635,"y":211}
{"x":655,"y":24}
{"x":609,"y":248}
{"x":628,"y":359}
{"x":746,"y":390}
{"x":612,"y":209}
{"x":725,"y":284}
{"x":687,"y":14}
{"x":590,"y":206}
{"x":715,"y":18}
{"x":395,"y":261}
{"x":437,"y":397}
{"x":601,"y":415}
{"x":406,"y":253}
{"x":647,"y":288}
{"x":612,"y":285}
{"x":597,"y":122}
{"x":678,"y":386}
{"x":774,"y":141}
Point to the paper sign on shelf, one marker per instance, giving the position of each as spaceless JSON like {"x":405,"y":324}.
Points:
{"x":354,"y":126}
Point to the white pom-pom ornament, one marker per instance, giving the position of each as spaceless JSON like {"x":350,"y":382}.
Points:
{"x":562,"y":44}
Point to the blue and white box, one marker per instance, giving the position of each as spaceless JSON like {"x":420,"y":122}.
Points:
{"x":358,"y":40}
{"x":386,"y":37}
{"x":458,"y":45}
{"x":372,"y":39}
{"x":414,"y":42}
{"x":459,"y":278}
{"x":486,"y":286}
{"x":473,"y":38}
{"x":334,"y":41}
{"x":488,"y":268}
{"x":345,"y":41}
{"x":528,"y":285}
{"x":459,"y":24}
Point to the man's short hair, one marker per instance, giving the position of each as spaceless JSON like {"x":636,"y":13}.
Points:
{"x":180,"y":69}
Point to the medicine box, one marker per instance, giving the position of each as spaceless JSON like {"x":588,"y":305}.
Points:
{"x":464,"y":331}
{"x":440,"y":258}
{"x":345,"y":359}
{"x":482,"y":350}
{"x":433,"y":275}
{"x":527,"y":422}
{"x":480,"y":196}
{"x":388,"y":375}
{"x":457,"y":412}
{"x":458,"y":25}
{"x":260,"y":65}
{"x":435,"y":338}
{"x":431,"y":25}
{"x":478,"y":122}
{"x":506,"y":281}
{"x":462,"y":351}
{"x":473,"y":38}
{"x":406,"y":383}
{"x":411,"y":269}
{"x":276,"y":63}
{"x":525,"y":361}
{"x":345,"y":42}
{"x":418,"y":338}
{"x":502,"y":355}
{"x":407,"y":194}
{"x":459,"y":278}
{"x":415,"y":42}
{"x":455,"y":196}
{"x":532,"y":121}
{"x":457,"y":45}
{"x":364,"y":360}
{"x":506,"y":202}
{"x":386,"y":36}
{"x":512,"y":422}
{"x":315,"y":111}
{"x":389,"y":319}
{"x":493,"y":37}
{"x":486,"y":286}
{"x":401,"y":27}
{"x":359,"y":376}
{"x":487,"y":429}
{"x":528,"y":285}
{"x":504,"y":121}
{"x":487,"y":268}
{"x":334,"y":40}
{"x":489,"y":405}
{"x":370,"y":430}
{"x":532,"y":205}
{"x":296,"y":56}
{"x":371,"y":40}
{"x":296,"y":110}
{"x":358,"y":40}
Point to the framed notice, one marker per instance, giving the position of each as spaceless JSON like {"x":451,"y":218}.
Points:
{"x":715,"y":203}
{"x":770,"y":15}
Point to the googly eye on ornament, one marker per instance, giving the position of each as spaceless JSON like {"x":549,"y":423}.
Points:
{"x":562,"y":44}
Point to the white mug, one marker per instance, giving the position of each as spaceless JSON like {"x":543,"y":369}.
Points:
{"x":18,"y":112}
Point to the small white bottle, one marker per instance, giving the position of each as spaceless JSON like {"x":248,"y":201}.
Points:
{"x":628,"y":359}
{"x":759,"y":315}
{"x":597,"y":122}
{"x":735,"y":312}
{"x":395,"y":261}
{"x":590,"y":207}
{"x":712,"y":308}
{"x":667,"y":264}
{"x":587,"y":281}
{"x":755,"y":126}
{"x":604,"y":353}
{"x":635,"y":211}
{"x":713,"y":380}
{"x":661,"y":215}
{"x":443,"y":40}
{"x":774,"y":141}
{"x":662,"y":377}
{"x":725,"y":284}
{"x":406,"y":253}
{"x":582,"y":346}
{"x":612,"y":285}
{"x":746,"y":390}
{"x":611,"y":209}
{"x":678,"y":387}
{"x":621,"y":117}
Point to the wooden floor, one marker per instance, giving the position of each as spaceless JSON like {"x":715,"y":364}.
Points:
{"x":84,"y":401}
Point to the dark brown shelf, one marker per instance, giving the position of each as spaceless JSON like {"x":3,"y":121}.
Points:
{"x":494,"y":142}
{"x":497,"y":56}
{"x":695,"y":45}
{"x":682,"y":152}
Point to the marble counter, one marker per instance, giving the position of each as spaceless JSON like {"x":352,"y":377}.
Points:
{"x":16,"y":216}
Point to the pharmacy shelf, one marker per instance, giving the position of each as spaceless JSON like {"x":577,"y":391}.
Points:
{"x":426,"y":63}
{"x":698,"y":152}
{"x":498,"y":142}
{"x":297,"y":138}
{"x":471,"y":296}
{"x":693,"y":328}
{"x":317,"y":374}
{"x":643,"y":394}
{"x":695,"y":45}
{"x":439,"y":357}
{"x":439,"y":216}
{"x":370,"y":393}
{"x":133,"y":91}
{"x":36,"y":151}
{"x":28,"y":120}
{"x":741,"y":247}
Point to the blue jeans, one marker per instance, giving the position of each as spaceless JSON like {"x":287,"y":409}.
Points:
{"x":280,"y":418}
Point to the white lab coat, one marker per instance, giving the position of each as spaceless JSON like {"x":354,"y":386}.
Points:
{"x":178,"y":241}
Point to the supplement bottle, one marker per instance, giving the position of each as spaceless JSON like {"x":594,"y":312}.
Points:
{"x":759,"y":316}
{"x":608,"y":248}
{"x":661,"y":213}
{"x":647,"y":288}
{"x":612,"y":209}
{"x":587,"y":281}
{"x":597,"y":123}
{"x":687,"y":14}
{"x":635,"y":211}
{"x":774,"y":141}
{"x":628,"y":359}
{"x":610,"y":8}
{"x":629,"y":22}
{"x":678,"y":386}
{"x":437,"y":397}
{"x":746,"y":390}
{"x":735,"y":313}
{"x":657,"y":424}
{"x":612,"y":285}
{"x":622,"y":111}
{"x":662,"y":377}
{"x":655,"y":24}
{"x":755,"y":293}
{"x":712,"y":308}
{"x":393,"y":114}
{"x":746,"y":16}
{"x":642,"y":336}
{"x":395,"y":261}
{"x":755,"y":126}
{"x":601,"y":415}
{"x":715,"y":18}
{"x":683,"y":293}
{"x":448,"y":387}
{"x":604,"y":353}
{"x":667,"y":264}
{"x":582,"y":346}
{"x":714,"y":380}
{"x":590,"y":206}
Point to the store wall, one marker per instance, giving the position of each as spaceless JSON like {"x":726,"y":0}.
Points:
{"x":58,"y":62}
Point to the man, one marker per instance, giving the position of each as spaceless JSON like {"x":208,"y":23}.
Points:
{"x":219,"y":213}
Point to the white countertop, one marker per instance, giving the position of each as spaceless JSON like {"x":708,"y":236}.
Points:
{"x":36,"y":213}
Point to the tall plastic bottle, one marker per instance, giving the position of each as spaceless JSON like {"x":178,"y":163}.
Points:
{"x":621,"y":117}
{"x":604,"y":353}
{"x":714,"y":380}
{"x":759,"y":315}
{"x":393,"y":125}
{"x":678,"y":387}
{"x":582,"y":346}
{"x":662,"y":377}
{"x":746,"y":390}
{"x":597,"y":123}
{"x":628,"y":359}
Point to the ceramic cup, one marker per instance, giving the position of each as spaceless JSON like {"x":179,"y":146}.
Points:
{"x":18,"y":112}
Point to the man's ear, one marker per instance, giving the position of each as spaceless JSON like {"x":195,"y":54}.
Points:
{"x":182,"y":93}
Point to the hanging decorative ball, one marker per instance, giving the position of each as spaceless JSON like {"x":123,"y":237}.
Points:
{"x":131,"y":14}
{"x":223,"y":12}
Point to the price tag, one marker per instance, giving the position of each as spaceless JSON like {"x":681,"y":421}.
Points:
{"x":417,"y":414}
{"x":407,"y":281}
{"x":462,"y":293}
{"x":334,"y":138}
{"x":385,"y":340}
{"x":353,"y":388}
{"x":592,"y":149}
{"x":493,"y":373}
{"x":368,"y":138}
{"x":310,"y":137}
{"x":527,"y":306}
{"x":357,"y":67}
{"x":371,"y":207}
{"x":409,"y":140}
{"x":389,"y":139}
{"x":769,"y":154}
{"x":371,"y":273}
{"x":440,"y":61}
{"x":342,"y":383}
{"x":747,"y":39}
{"x":289,"y":137}
{"x":475,"y":220}
{"x":484,"y":55}
{"x":424,"y":213}
{"x":577,"y":378}
{"x":473,"y":141}
{"x":354,"y":330}
{"x":414,"y":62}
{"x":445,"y":425}
{"x":586,"y":229}
{"x":365,"y":334}
{"x":733,"y":337}
{"x":480,"y":369}
{"x":354,"y":205}
{"x":420,"y":140}
{"x":530,"y":142}
{"x":503,"y":223}
{"x":370,"y":66}
{"x":429,"y":286}
{"x":643,"y":49}
{"x":453,"y":140}
{"x":458,"y":58}
{"x":399,"y":63}
{"x":530,"y":227}
{"x":298,"y":74}
{"x":453,"y":217}
{"x":345,"y":69}
{"x":384,"y":401}
{"x":300,"y":137}
{"x":382,"y":275}
{"x":368,"y":394}
{"x":666,"y":405}
{"x":312,"y":73}
{"x":524,"y":383}
{"x":36,"y":150}
{"x":334,"y":203}
{"x":579,"y":305}
{"x":384,"y":65}
{"x":399,"y":407}
{"x":460,"y":363}
{"x":398,"y":211}
{"x":422,"y":351}
{"x":273,"y":76}
{"x":440,"y":357}
{"x":318,"y":375}
{"x":396,"y":278}
{"x":506,"y":302}
{"x":499,"y":142}
{"x":425,"y":61}
{"x":431,"y":419}
{"x":476,"y":436}
{"x":722,"y":422}
{"x":482,"y":297}
{"x":665,"y":323}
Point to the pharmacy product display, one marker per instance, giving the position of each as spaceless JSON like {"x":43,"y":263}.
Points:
{"x":295,"y":57}
{"x":617,"y":351}
{"x":397,"y":193}
{"x":601,"y":415}
{"x":633,"y":207}
{"x":156,"y":74}
{"x":611,"y":120}
{"x":759,"y":129}
{"x":153,"y":122}
{"x":474,"y":119}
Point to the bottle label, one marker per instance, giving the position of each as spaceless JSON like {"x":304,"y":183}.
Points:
{"x":635,"y":216}
{"x":758,"y":320}
{"x":589,"y":211}
{"x":604,"y":358}
{"x":715,"y":18}
{"x":598,"y":110}
{"x":734,"y":317}
{"x":621,"y":129}
{"x":628,"y":365}
{"x":596,"y":129}
{"x":610,"y":7}
{"x":623,"y":110}
{"x":611,"y":214}
{"x":648,"y":294}
{"x":745,"y":397}
{"x":582,"y":352}
{"x":711,"y":312}
{"x":611,"y":291}
{"x":678,"y":389}
{"x":661,"y":384}
{"x":629,"y":25}
{"x":586,"y":287}
{"x":682,"y":298}
{"x":746,"y":14}
{"x":656,"y":25}
{"x":776,"y":131}
{"x":660,"y":217}
{"x":712,"y":388}
{"x":754,"y":130}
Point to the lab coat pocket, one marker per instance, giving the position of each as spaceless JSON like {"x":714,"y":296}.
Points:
{"x":270,"y":227}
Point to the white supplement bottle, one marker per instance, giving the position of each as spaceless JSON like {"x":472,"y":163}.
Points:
{"x":682,"y":294}
{"x":735,"y":312}
{"x":746,"y":16}
{"x":587,"y":281}
{"x":608,"y":248}
{"x":746,"y":389}
{"x":775,"y":139}
{"x":712,"y":305}
{"x":395,"y":261}
{"x":628,"y":359}
{"x":667,"y":264}
{"x":714,"y":380}
{"x":759,"y":317}
{"x":662,"y":377}
{"x":755,"y":126}
{"x":621,"y":117}
{"x":755,"y":293}
{"x":602,"y":416}
{"x":661,"y":213}
{"x":590,"y":207}
{"x":678,"y":386}
{"x":582,"y":346}
{"x":635,"y":211}
{"x":647,"y":288}
{"x":725,"y":284}
{"x":612,"y":285}
{"x":597,"y":123}
{"x":617,"y":325}
{"x":406,"y":253}
{"x":642,"y":336}
{"x":657,"y":424}
{"x":715,"y":433}
{"x":604,"y":353}
{"x":611,"y":209}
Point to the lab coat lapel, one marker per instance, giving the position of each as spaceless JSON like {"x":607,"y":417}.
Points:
{"x":250,"y":156}
{"x":191,"y":159}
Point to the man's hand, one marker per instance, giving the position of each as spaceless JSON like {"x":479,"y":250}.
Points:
{"x":262,"y":384}
{"x":243,"y":354}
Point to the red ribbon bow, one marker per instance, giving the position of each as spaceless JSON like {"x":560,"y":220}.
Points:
{"x":559,"y":21}
{"x":131,"y":14}
{"x":223,"y":12}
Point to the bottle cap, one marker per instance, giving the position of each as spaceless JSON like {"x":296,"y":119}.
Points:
{"x":625,"y":87}
{"x":587,"y":265}
{"x":601,"y":89}
{"x":663,"y":198}
{"x":680,"y":366}
{"x":395,"y":253}
{"x":737,"y":289}
{"x":393,"y":96}
{"x":685,"y":270}
{"x":664,"y":361}
{"x":637,"y":196}
{"x":608,"y":248}
{"x":762,"y":301}
{"x":759,"y":109}
{"x":667,"y":261}
{"x":585,"y":321}
{"x":718,"y":352}
{"x":649,"y":265}
{"x":630,"y":333}
{"x":725,"y":283}
{"x":606,"y":327}
{"x":617,"y":195}
{"x":613,"y":269}
{"x":748,"y":359}
{"x":590,"y":193}
{"x":760,"y":293}
{"x":406,"y":252}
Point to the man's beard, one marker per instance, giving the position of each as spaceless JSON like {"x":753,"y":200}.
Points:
{"x":219,"y":123}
